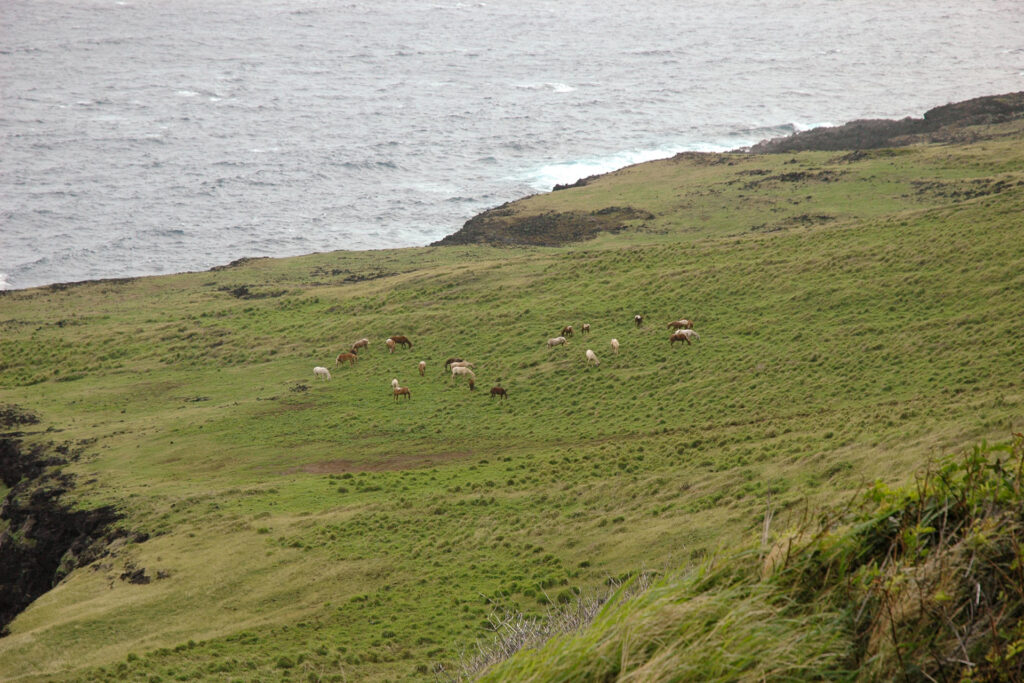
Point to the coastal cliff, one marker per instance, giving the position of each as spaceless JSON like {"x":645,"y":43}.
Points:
{"x":517,"y":223}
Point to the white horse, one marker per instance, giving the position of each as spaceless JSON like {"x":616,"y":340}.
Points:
{"x":593,"y":357}
{"x":615,"y":346}
{"x":321,"y":372}
{"x":557,"y":341}
{"x":457,"y":371}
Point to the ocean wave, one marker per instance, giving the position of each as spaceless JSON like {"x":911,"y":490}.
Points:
{"x":552,"y":86}
{"x":547,"y":176}
{"x":5,"y":281}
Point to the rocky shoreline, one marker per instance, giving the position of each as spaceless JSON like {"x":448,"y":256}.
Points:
{"x":504,"y":226}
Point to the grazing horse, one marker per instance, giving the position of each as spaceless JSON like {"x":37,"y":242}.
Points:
{"x":638,"y":319}
{"x":402,"y":391}
{"x":592,"y":356}
{"x":363,"y":343}
{"x":557,"y":341}
{"x":399,"y":339}
{"x":423,"y":367}
{"x":342,"y":357}
{"x":567,"y":331}
{"x":498,"y":391}
{"x":457,"y":371}
{"x":448,"y":363}
{"x":463,"y":364}
{"x":615,"y":346}
{"x":683,"y":336}
{"x":472,"y":384}
{"x":682,"y":323}
{"x":585,"y":329}
{"x":391,"y":344}
{"x":321,"y":372}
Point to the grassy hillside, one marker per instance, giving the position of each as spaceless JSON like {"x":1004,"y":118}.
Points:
{"x":859,"y":314}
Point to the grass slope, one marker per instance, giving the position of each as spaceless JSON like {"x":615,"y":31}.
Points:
{"x":858,"y":315}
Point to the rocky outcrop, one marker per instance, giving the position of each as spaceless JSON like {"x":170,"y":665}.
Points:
{"x":42,"y":538}
{"x":942,"y":124}
{"x":505,"y":226}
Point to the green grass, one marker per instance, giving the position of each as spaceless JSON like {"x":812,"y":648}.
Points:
{"x":310,"y":528}
{"x":921,"y":583}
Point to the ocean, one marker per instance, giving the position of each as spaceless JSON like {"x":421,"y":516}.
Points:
{"x":141,"y":137}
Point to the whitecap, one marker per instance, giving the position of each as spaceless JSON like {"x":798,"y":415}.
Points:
{"x":547,"y":176}
{"x":186,"y":93}
{"x":553,"y":86}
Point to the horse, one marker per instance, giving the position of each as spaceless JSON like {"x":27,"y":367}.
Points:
{"x":399,"y":339}
{"x":567,"y":331}
{"x":638,"y":319}
{"x":422,"y":366}
{"x":363,"y":343}
{"x":498,"y":391}
{"x":615,"y":346}
{"x":683,"y":336}
{"x":682,"y":323}
{"x":321,"y":372}
{"x":457,"y":371}
{"x":448,"y":363}
{"x":402,"y":391}
{"x":342,"y":357}
{"x":557,"y":341}
{"x":391,"y":344}
{"x":592,"y":356}
{"x":585,"y":329}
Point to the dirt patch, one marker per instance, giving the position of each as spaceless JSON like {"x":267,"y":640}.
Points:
{"x":387,"y":464}
{"x":12,"y":415}
{"x":243,"y":292}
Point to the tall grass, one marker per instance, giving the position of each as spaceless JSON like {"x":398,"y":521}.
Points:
{"x":917,"y":583}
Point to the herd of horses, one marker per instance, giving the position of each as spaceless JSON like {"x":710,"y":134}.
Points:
{"x":682,"y":331}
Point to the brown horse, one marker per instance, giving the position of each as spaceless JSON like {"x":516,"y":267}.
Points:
{"x":342,"y":357}
{"x":585,"y":329}
{"x":498,"y":391}
{"x":567,"y":331}
{"x":402,"y":391}
{"x":679,"y":337}
{"x":363,"y":343}
{"x":399,"y":339}
{"x":682,"y":323}
{"x":638,"y":319}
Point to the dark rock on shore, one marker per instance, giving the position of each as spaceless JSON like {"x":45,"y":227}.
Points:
{"x":502,"y":226}
{"x":942,"y":124}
